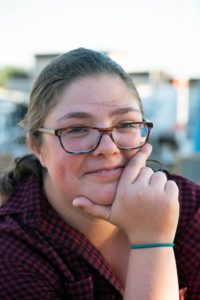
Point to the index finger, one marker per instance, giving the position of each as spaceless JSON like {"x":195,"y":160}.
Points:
{"x":135,"y":164}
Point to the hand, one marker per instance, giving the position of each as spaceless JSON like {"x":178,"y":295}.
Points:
{"x":146,"y":204}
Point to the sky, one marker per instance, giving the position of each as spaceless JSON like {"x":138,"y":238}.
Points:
{"x":142,"y":34}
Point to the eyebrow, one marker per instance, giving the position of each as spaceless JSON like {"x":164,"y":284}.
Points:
{"x":124,"y":110}
{"x":86,"y":115}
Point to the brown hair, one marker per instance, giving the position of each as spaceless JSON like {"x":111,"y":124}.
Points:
{"x":53,"y":79}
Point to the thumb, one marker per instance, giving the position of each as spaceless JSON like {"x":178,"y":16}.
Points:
{"x":93,"y":209}
{"x":135,"y":164}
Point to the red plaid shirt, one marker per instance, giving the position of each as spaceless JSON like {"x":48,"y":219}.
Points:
{"x":41,"y":257}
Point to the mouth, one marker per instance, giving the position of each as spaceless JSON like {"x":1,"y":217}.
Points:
{"x":107,"y":172}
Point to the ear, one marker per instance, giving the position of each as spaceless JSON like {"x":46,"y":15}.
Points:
{"x":36,"y":149}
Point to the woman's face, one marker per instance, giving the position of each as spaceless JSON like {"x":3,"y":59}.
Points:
{"x":99,"y":101}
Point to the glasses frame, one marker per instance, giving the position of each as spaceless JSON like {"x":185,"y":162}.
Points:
{"x":108,"y":130}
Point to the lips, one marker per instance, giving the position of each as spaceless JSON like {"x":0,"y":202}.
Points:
{"x":107,"y":171}
{"x":105,"y":168}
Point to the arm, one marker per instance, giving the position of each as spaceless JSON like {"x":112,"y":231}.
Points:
{"x":154,"y":273}
{"x":146,"y":209}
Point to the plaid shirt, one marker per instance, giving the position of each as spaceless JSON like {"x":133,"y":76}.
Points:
{"x":41,"y":257}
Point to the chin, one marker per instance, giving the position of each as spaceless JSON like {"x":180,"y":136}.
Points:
{"x":103,"y":194}
{"x":104,"y":198}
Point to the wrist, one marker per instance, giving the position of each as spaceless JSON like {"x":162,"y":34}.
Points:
{"x":150,"y":245}
{"x":141,"y":238}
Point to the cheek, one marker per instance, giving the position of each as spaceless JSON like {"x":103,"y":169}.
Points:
{"x":65,"y":168}
{"x":63,"y":173}
{"x":130,"y":153}
{"x":60,"y":165}
{"x":49,"y":151}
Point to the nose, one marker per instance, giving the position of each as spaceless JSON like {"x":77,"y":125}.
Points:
{"x":106,"y":146}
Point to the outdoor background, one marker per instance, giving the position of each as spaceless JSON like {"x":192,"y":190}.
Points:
{"x":156,"y":41}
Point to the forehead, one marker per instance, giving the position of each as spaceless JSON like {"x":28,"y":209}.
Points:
{"x":98,"y":96}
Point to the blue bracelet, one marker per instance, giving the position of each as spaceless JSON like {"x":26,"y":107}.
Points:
{"x":141,"y":246}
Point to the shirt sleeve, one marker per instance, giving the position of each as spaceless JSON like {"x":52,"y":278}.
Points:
{"x":20,"y":282}
{"x":187,"y":240}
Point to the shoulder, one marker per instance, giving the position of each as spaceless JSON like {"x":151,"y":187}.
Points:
{"x":189,"y":191}
{"x":183,"y":182}
{"x":189,"y":197}
{"x":187,"y":245}
{"x":18,"y":220}
{"x":26,"y":193}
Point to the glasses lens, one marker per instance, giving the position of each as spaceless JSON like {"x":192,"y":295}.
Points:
{"x":131,"y":136}
{"x":79,"y":139}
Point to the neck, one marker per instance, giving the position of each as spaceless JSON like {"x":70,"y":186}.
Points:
{"x":98,"y":231}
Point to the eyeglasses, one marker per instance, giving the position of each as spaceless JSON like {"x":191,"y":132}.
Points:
{"x":85,"y":139}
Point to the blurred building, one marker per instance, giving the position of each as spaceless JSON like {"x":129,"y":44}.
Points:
{"x":41,"y":60}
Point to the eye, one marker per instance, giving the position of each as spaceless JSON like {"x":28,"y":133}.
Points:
{"x":79,"y":130}
{"x":128,"y":125}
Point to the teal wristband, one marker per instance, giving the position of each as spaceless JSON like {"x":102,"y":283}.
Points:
{"x":142,"y":246}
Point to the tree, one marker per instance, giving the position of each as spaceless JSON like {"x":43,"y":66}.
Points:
{"x":7,"y":73}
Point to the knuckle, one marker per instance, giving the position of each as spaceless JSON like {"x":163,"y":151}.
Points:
{"x":172,"y":184}
{"x":172,"y":187}
{"x":147,"y":169}
{"x":160,"y":174}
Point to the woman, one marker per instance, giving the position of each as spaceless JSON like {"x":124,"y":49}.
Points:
{"x":83,"y":217}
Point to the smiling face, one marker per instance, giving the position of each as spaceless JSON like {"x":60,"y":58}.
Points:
{"x":99,"y":101}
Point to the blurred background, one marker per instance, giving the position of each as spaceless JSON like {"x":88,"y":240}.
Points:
{"x":157,"y":42}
